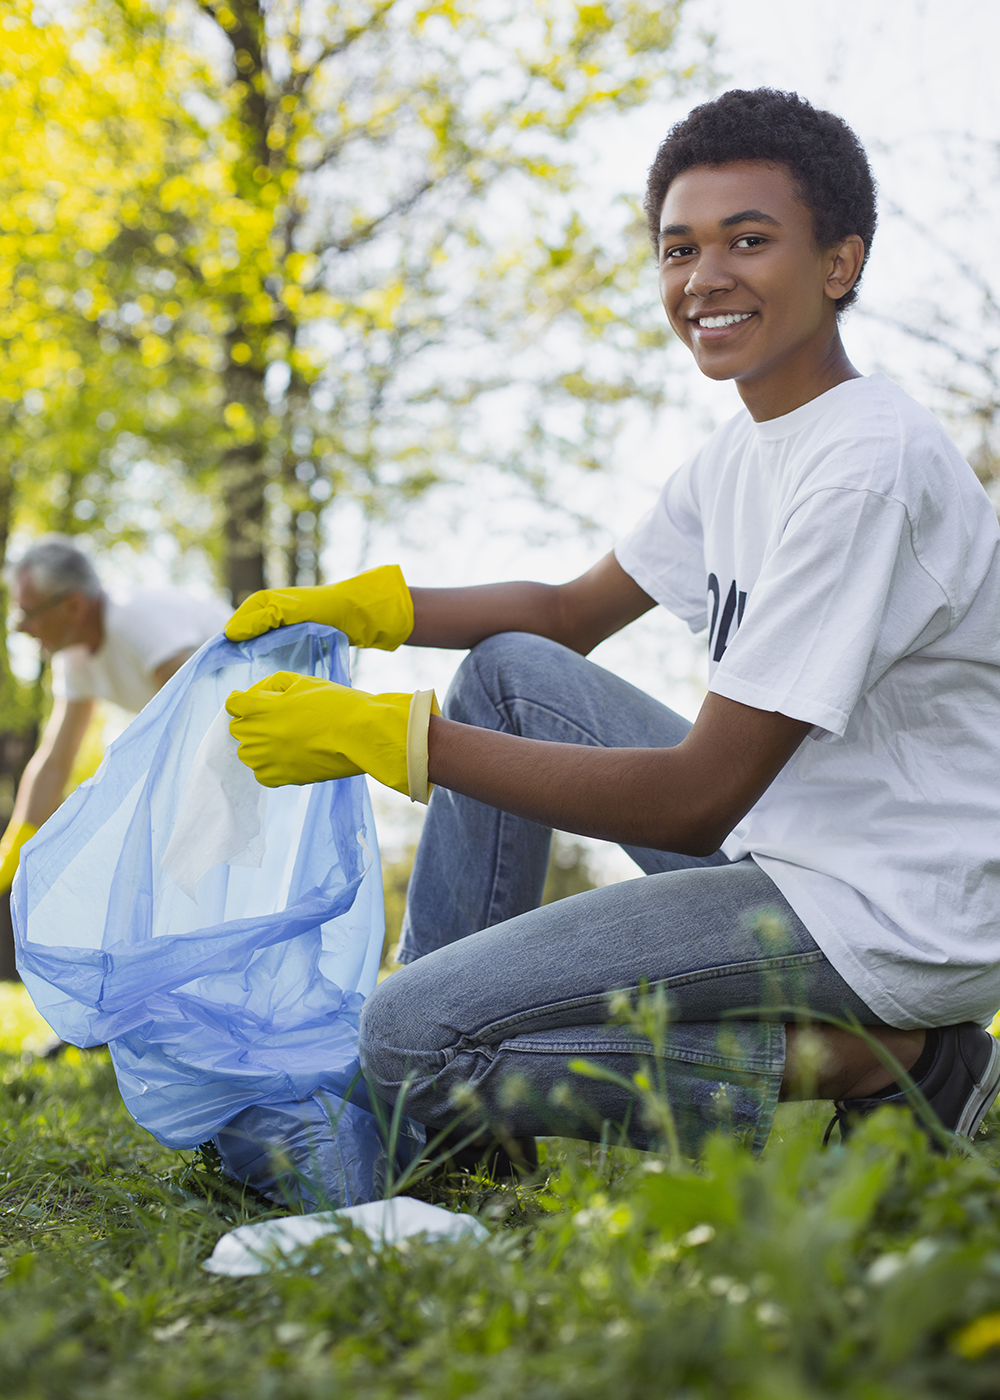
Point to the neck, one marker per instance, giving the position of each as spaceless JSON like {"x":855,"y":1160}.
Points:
{"x":811,"y":371}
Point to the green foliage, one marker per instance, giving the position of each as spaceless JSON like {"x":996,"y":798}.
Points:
{"x":395,"y":882}
{"x":237,"y":290}
{"x":868,"y":1270}
{"x":569,"y":869}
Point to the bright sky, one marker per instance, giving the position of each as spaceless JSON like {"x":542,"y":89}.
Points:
{"x":892,"y":68}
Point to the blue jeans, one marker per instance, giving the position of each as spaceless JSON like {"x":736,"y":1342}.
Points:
{"x":501,"y":994}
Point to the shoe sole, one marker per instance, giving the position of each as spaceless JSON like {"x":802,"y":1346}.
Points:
{"x":986,"y":1089}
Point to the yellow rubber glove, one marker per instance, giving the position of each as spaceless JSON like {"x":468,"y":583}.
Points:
{"x":373,"y":609}
{"x":10,"y":852}
{"x":297,"y":729}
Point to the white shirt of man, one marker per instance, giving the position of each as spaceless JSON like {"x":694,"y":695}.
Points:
{"x":846,"y":562}
{"x":142,"y":630}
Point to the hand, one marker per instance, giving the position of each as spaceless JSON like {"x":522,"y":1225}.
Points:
{"x":10,"y":851}
{"x":373,"y":609}
{"x":296,"y":729}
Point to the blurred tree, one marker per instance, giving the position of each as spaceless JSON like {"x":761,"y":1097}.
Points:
{"x":256,"y":258}
{"x":963,"y":368}
{"x":83,"y":150}
{"x":570,"y":870}
{"x":371,"y":149}
{"x":301,"y":270}
{"x":954,"y":313}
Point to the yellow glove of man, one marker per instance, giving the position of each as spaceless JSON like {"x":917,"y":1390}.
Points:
{"x":373,"y":609}
{"x":297,"y":729}
{"x":10,"y":852}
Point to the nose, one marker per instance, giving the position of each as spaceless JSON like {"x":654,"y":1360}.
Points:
{"x":708,"y":275}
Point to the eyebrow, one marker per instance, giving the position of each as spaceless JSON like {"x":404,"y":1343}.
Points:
{"x":745,"y":216}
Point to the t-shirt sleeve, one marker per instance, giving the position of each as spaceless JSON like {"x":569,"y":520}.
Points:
{"x":840,"y":599}
{"x":665,"y":552}
{"x":72,"y":675}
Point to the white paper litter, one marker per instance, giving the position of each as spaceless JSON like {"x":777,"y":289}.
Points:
{"x":221,"y":816}
{"x":256,"y":1249}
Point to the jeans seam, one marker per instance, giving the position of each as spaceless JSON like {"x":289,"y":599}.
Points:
{"x":508,"y":700}
{"x":788,"y":960}
{"x":685,"y":979}
{"x":501,"y":705}
{"x":744,"y":1062}
{"x":495,"y":893}
{"x":499,"y":864}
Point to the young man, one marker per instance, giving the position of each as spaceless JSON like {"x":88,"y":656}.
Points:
{"x":840,"y":776}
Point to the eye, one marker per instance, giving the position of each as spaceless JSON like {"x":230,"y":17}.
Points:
{"x":675,"y":254}
{"x":750,"y":240}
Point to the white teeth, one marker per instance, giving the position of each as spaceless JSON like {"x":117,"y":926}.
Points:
{"x":711,"y":323}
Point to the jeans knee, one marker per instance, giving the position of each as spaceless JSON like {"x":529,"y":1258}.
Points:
{"x":378,"y":1037}
{"x":393,"y":1038}
{"x":506,"y":666}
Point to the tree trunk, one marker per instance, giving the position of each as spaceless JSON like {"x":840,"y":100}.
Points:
{"x":15,"y":750}
{"x":243,"y":488}
{"x":242,"y":478}
{"x":18,"y":731}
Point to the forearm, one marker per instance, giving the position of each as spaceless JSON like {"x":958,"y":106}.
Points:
{"x":37,"y":798}
{"x":639,"y":797}
{"x":41,"y":791}
{"x":686,"y":799}
{"x":462,"y":617}
{"x":578,"y":614}
{"x":45,"y":777}
{"x":170,"y":667}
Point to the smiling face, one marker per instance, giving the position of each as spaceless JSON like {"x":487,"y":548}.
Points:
{"x":748,"y":290}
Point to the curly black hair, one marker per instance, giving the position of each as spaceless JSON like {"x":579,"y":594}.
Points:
{"x":826,"y":160}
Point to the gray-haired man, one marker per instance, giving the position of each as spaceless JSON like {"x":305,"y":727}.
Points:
{"x":121,"y":649}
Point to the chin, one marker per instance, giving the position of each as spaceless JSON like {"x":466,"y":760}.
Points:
{"x":720,"y":373}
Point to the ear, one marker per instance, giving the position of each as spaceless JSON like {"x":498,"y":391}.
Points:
{"x":77,"y":605}
{"x":845,"y":265}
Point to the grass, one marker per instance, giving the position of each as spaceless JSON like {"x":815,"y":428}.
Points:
{"x":22,"y":1030}
{"x":870,"y":1271}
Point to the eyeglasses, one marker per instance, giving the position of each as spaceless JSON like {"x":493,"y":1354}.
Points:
{"x":22,"y":616}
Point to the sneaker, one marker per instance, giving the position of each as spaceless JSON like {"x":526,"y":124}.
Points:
{"x":959,"y":1087}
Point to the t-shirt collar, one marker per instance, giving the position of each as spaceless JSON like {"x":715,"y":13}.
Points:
{"x":789,"y":424}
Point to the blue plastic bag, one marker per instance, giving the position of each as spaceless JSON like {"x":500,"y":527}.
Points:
{"x":233,"y":1014}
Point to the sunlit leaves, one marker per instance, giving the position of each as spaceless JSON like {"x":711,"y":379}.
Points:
{"x":297,"y":258}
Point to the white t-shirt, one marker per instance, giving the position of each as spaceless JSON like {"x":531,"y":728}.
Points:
{"x":847,"y":564}
{"x":142,"y":629}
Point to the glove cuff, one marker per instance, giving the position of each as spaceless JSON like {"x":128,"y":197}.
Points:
{"x":422,"y":706}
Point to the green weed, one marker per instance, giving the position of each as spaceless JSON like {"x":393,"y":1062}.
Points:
{"x":870,"y":1270}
